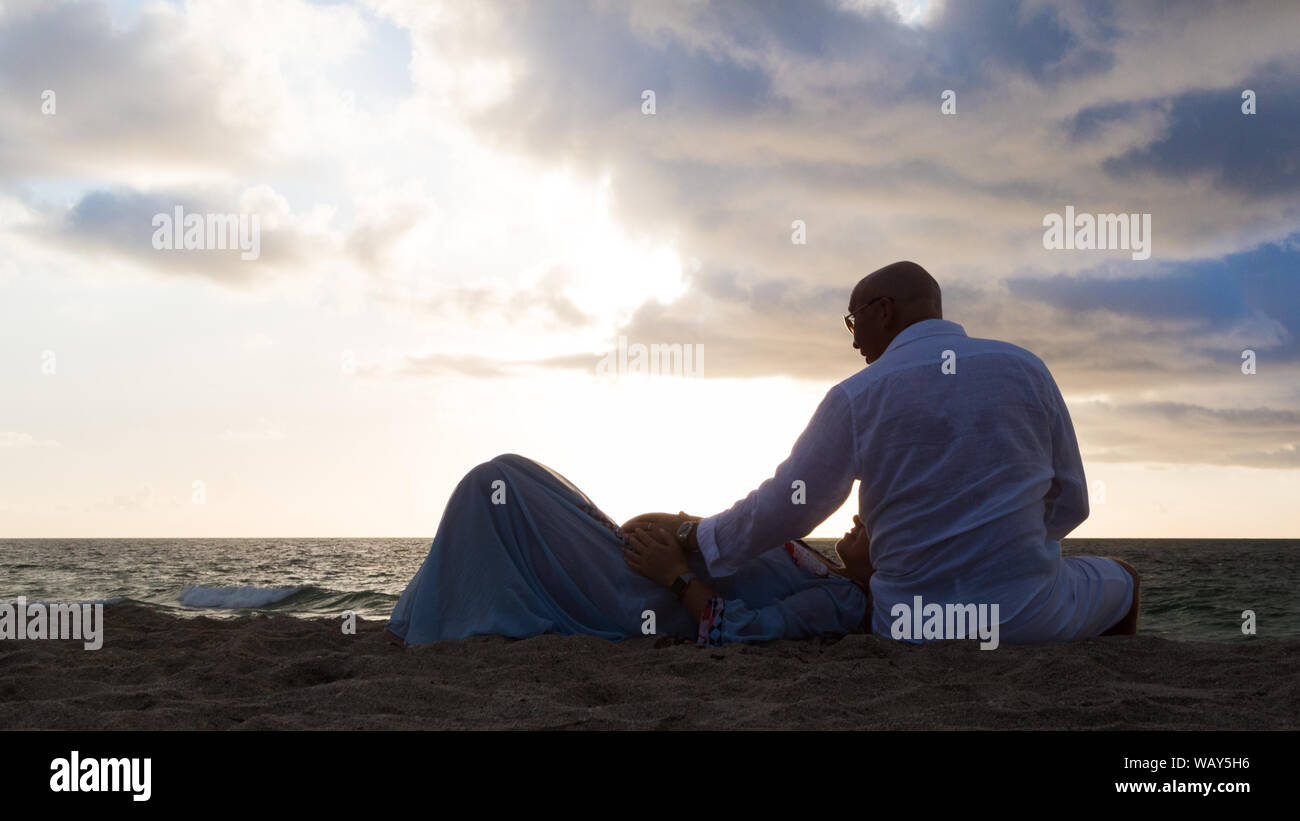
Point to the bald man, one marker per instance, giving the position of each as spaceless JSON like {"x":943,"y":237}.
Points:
{"x":970,"y":477}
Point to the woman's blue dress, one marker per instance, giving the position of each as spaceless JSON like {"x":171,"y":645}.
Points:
{"x":521,"y":551}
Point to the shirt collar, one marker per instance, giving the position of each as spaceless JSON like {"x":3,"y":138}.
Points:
{"x":922,"y":329}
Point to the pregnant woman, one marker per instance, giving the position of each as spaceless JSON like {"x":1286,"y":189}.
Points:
{"x":521,"y":551}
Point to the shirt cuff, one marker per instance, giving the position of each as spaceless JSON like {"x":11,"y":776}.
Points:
{"x":707,"y":541}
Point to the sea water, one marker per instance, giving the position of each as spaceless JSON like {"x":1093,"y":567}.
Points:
{"x":1192,"y":589}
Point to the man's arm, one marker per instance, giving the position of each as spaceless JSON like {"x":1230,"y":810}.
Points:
{"x":1067,"y":500}
{"x":808,"y":486}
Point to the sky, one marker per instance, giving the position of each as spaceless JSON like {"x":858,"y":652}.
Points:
{"x":463,"y":207}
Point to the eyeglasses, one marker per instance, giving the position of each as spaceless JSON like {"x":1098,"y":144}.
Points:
{"x":848,"y":318}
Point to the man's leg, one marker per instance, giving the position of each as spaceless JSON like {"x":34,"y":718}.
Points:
{"x":1128,"y":626}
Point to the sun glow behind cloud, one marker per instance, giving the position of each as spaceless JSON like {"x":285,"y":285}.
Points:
{"x":910,"y":12}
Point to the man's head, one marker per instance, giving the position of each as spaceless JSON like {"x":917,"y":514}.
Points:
{"x":887,"y":301}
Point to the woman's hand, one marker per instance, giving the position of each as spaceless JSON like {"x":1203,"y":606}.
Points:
{"x":655,"y":554}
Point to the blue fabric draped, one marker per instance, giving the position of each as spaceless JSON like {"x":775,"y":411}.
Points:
{"x":521,"y":551}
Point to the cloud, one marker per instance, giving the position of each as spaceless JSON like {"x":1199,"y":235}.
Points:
{"x":121,"y":224}
{"x":768,"y":113}
{"x":545,"y":301}
{"x":18,"y":439}
{"x":1252,"y":294}
{"x":441,"y":199}
{"x":163,"y":100}
{"x":1185,"y":433}
{"x":1207,"y":134}
{"x":442,"y":364}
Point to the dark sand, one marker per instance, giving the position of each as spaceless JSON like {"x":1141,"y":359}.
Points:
{"x":158,"y":672}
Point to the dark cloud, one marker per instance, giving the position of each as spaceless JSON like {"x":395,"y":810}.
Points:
{"x":1090,"y":122}
{"x":582,"y":63}
{"x":1255,"y":289}
{"x":1030,"y":39}
{"x":1254,"y":155}
{"x":119,"y":223}
{"x":1286,"y":422}
{"x":586,"y":63}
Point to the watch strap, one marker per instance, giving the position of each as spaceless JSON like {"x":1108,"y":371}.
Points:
{"x":681,"y":583}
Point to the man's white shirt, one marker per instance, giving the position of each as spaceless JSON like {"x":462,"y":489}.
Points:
{"x":970,"y":476}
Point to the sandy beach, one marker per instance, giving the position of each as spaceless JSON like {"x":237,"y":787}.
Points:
{"x":158,"y":672}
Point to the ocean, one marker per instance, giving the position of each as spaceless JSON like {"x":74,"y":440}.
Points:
{"x":1192,"y":589}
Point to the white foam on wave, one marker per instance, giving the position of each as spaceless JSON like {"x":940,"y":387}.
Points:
{"x":234,"y":597}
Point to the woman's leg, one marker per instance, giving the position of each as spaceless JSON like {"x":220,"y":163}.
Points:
{"x":521,"y":551}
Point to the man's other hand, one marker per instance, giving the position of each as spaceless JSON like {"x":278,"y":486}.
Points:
{"x":655,"y":554}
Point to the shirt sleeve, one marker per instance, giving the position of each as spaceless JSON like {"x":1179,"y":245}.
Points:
{"x":822,"y":462}
{"x":813,"y":611}
{"x":1067,"y":499}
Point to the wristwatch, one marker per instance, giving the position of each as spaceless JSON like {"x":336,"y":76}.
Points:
{"x":684,"y":534}
{"x":681,"y":583}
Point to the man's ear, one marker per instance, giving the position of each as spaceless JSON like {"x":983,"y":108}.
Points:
{"x":889,"y":312}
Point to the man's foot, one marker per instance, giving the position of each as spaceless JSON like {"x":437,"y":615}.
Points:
{"x":1128,"y":626}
